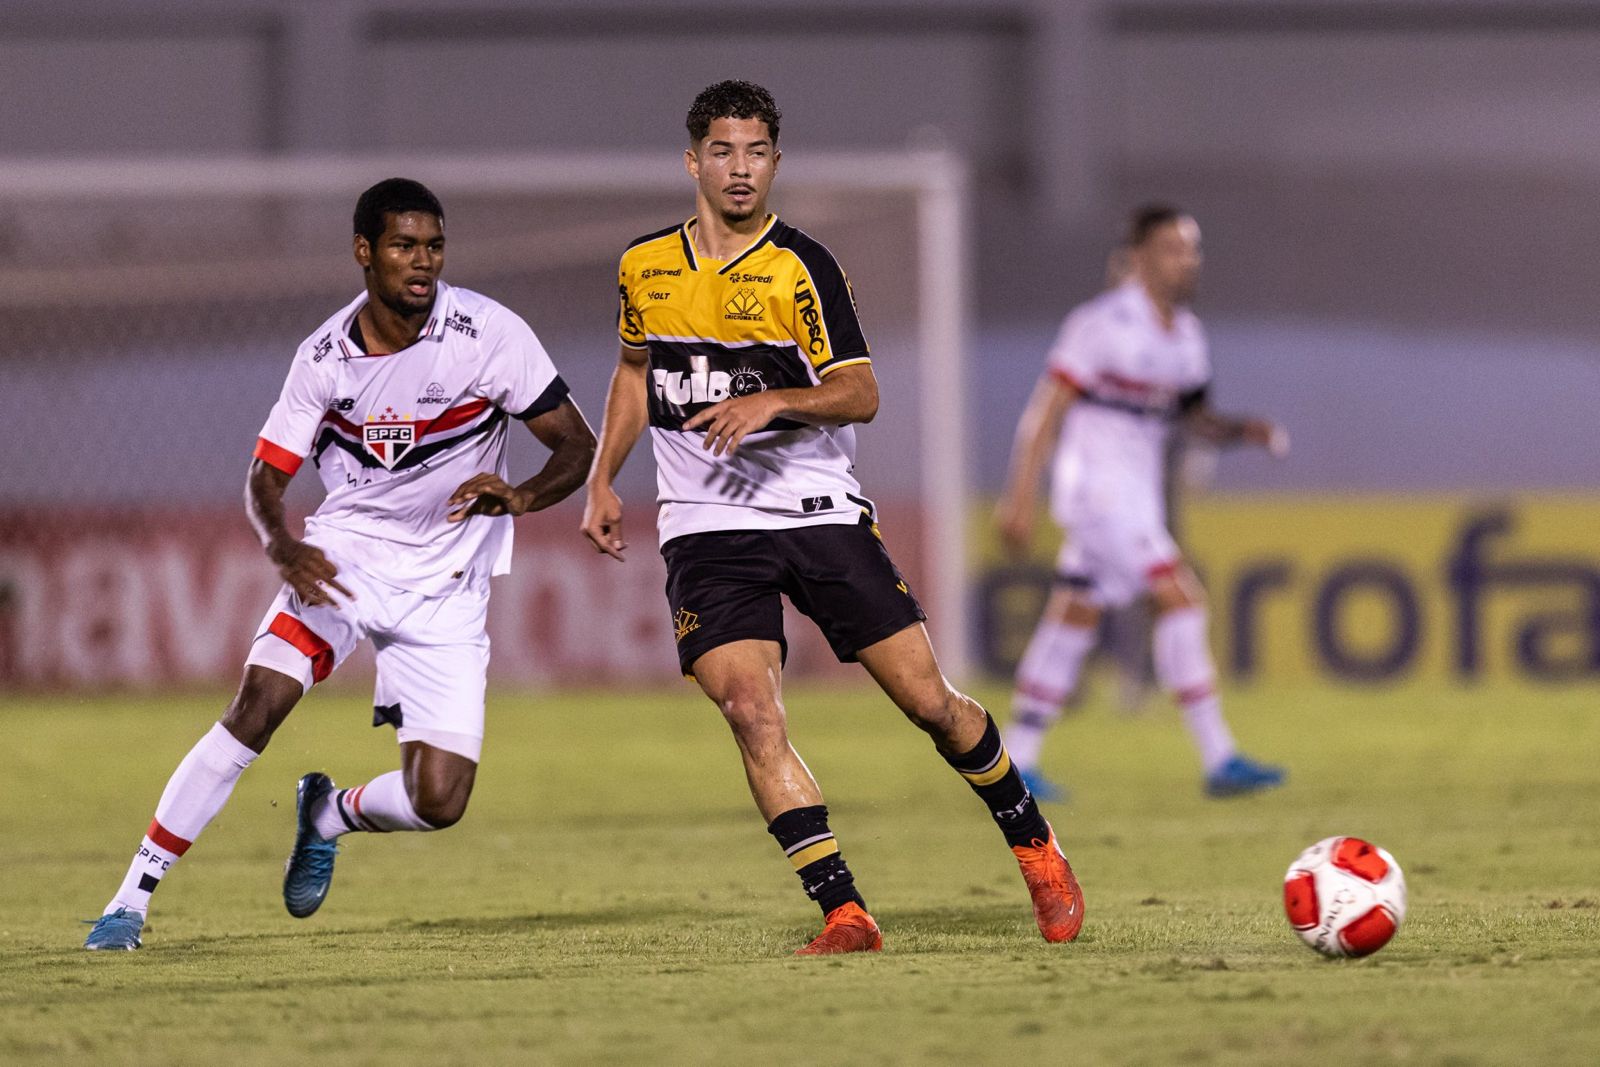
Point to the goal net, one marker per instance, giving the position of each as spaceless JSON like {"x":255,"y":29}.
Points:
{"x":151,"y":309}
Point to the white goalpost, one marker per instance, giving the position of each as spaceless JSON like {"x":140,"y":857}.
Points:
{"x":89,"y":235}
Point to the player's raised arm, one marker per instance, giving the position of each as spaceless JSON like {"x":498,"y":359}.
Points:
{"x":627,"y":413}
{"x":1036,"y":436}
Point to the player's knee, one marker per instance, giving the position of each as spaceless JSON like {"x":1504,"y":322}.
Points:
{"x":1178,"y":591}
{"x":263,"y":701}
{"x":440,"y":808}
{"x":934,"y":708}
{"x":755,"y":717}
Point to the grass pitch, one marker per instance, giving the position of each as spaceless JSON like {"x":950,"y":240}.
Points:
{"x":612,"y":897}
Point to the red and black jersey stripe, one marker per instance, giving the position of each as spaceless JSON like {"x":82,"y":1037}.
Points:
{"x":341,"y":433}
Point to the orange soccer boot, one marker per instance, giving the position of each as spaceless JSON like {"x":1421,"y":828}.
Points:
{"x":1057,"y":900}
{"x":847,"y":928}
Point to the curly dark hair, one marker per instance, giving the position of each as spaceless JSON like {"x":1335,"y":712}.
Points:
{"x":393,"y":196}
{"x":732,"y":100}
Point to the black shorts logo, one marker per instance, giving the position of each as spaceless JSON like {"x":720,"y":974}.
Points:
{"x":685,"y":622}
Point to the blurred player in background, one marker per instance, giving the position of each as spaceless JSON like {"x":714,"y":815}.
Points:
{"x":402,"y":400}
{"x":742,"y":353}
{"x":1126,"y":367}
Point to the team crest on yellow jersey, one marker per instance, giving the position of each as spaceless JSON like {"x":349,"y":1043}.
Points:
{"x":744,"y":306}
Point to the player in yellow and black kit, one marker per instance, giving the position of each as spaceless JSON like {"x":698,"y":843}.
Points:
{"x":742,"y":352}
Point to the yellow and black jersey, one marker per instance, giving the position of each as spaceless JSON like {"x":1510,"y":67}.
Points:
{"x":779,"y":315}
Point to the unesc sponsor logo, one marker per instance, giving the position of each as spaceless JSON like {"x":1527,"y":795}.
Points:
{"x":805,"y":306}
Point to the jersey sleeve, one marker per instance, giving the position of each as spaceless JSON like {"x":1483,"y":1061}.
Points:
{"x":1078,"y":351}
{"x":825,"y":322}
{"x":291,"y":427}
{"x":519,"y":377}
{"x":630,"y":330}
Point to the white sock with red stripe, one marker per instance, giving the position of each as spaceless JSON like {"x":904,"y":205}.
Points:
{"x":197,"y":790}
{"x":1184,"y":668}
{"x":379,"y":807}
{"x":1046,"y":677}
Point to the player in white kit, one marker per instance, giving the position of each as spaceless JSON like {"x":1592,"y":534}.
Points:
{"x":1125,"y":367}
{"x":402,"y":400}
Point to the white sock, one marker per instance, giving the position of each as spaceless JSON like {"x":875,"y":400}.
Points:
{"x":1184,"y":668}
{"x":377,"y":807}
{"x":195,"y":793}
{"x":1046,"y":677}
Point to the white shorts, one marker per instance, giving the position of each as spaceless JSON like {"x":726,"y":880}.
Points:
{"x":1113,"y":559}
{"x":432,"y":653}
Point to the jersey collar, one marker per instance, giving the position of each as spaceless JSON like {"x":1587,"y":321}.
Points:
{"x":686,"y":235}
{"x":433,"y":331}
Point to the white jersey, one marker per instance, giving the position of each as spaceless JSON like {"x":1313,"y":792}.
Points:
{"x":393,"y":435}
{"x":1133,"y":376}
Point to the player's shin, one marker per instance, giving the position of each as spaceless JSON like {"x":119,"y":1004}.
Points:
{"x":195,"y":793}
{"x":988,"y":769}
{"x":1046,"y":678}
{"x":804,"y":836}
{"x":1184,"y":668}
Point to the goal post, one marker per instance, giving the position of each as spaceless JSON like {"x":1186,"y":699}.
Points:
{"x":200,"y":274}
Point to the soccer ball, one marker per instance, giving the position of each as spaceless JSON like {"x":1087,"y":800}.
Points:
{"x":1345,"y":896}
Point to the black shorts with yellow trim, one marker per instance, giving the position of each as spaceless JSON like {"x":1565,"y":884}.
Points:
{"x":728,"y":585}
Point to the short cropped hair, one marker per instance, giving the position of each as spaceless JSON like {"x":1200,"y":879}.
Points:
{"x":393,"y":196}
{"x":732,"y":100}
{"x":1151,"y":217}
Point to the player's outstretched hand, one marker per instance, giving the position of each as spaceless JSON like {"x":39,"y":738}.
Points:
{"x":1269,"y":435}
{"x":306,"y":570}
{"x":485,"y":494}
{"x":602,"y":521}
{"x":727,"y":423}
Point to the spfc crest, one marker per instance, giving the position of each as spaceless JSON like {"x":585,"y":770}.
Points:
{"x":388,"y":436}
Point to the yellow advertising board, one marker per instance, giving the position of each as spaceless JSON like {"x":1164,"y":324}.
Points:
{"x":1383,"y":589}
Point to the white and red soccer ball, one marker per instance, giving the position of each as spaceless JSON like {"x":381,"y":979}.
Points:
{"x":1345,"y":896}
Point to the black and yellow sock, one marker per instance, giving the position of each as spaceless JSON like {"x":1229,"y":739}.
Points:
{"x":804,"y":836}
{"x":988,"y":770}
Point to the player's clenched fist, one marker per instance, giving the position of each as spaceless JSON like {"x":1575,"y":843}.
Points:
{"x":306,"y":570}
{"x":486,"y":494}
